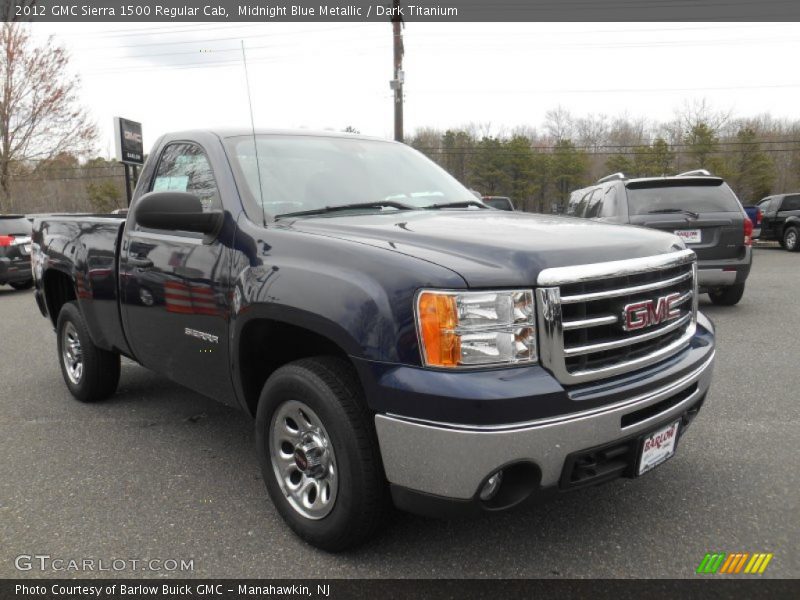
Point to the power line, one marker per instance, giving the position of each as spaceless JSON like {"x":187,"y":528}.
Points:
{"x":220,"y":63}
{"x":219,"y":39}
{"x":204,"y":50}
{"x":608,"y":90}
{"x":166,"y":30}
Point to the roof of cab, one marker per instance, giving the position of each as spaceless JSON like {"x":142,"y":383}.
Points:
{"x":242,"y":132}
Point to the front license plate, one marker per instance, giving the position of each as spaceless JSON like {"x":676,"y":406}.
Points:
{"x":690,"y":236}
{"x":658,"y":447}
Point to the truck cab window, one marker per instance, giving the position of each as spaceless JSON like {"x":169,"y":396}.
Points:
{"x":184,"y":168}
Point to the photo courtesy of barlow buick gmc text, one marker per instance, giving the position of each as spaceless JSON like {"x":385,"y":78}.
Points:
{"x":427,"y":300}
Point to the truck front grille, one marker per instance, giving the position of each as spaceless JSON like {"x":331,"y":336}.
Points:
{"x":582,"y":315}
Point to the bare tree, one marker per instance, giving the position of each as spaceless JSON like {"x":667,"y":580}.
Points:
{"x":699,"y":112}
{"x":592,"y":131}
{"x":39,"y":112}
{"x":559,"y":124}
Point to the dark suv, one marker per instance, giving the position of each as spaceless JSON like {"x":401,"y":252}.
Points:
{"x":15,"y":251}
{"x":781,"y":220}
{"x":699,"y":208}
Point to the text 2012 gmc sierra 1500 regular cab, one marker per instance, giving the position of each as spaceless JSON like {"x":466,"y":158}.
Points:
{"x":393,"y":337}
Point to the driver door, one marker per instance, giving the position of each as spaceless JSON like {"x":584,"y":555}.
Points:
{"x":175,"y":286}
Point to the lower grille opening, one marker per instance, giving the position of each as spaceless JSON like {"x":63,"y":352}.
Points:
{"x":597,"y":466}
{"x":657,"y":408}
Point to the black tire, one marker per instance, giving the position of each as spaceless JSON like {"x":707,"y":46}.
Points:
{"x":330,"y":388}
{"x":728,"y":295}
{"x":99,"y":374}
{"x":791,"y":239}
{"x":22,"y":285}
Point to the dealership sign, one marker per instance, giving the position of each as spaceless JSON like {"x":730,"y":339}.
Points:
{"x":128,"y":138}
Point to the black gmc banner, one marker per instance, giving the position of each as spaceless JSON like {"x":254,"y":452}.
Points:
{"x":416,"y":10}
{"x":390,"y":589}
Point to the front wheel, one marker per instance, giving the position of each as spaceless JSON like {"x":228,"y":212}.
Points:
{"x":319,"y":455}
{"x":728,"y":295}
{"x":91,"y":373}
{"x":791,"y":239}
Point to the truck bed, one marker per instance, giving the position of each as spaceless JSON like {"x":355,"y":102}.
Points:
{"x":85,"y":249}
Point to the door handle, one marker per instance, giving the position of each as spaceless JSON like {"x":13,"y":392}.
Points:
{"x":140,"y":263}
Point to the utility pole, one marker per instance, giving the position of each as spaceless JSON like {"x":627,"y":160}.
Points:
{"x":399,"y":76}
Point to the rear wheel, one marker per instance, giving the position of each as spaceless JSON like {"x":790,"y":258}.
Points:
{"x":319,"y":455}
{"x":728,"y":295}
{"x":791,"y":239}
{"x":22,"y":285}
{"x":91,"y":373}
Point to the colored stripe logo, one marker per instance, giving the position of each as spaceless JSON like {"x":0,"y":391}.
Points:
{"x":734,"y":563}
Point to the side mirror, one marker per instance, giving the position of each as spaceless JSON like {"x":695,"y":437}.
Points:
{"x":176,"y":211}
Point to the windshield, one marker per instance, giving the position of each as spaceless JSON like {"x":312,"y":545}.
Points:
{"x":711,"y":196}
{"x":301,"y":173}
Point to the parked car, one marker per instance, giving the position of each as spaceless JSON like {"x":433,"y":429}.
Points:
{"x":15,"y":249}
{"x":499,"y":202}
{"x":390,"y":341}
{"x":781,"y":220}
{"x":700,"y":208}
{"x":755,"y":215}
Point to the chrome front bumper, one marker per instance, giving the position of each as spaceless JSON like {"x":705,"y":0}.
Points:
{"x":452,"y":461}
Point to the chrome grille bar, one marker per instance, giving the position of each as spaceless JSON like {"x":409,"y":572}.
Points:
{"x":595,"y":322}
{"x":617,"y":268}
{"x":637,"y":289}
{"x":628,"y":341}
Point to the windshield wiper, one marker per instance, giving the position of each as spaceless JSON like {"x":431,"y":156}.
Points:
{"x":353,"y":206}
{"x":691,"y":213}
{"x":460,"y":204}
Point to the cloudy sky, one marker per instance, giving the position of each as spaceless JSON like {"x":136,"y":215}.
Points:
{"x":330,"y":75}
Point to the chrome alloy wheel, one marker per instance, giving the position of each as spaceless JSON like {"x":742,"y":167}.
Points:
{"x":72,"y":353}
{"x":303,"y":460}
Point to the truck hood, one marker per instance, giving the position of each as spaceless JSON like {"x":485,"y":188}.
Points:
{"x":493,"y":248}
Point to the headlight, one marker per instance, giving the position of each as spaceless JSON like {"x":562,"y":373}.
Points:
{"x":467,"y":329}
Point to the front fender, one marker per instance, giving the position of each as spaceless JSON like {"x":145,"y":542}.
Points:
{"x":358,"y":296}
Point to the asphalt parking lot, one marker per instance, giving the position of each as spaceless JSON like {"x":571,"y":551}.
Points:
{"x":159,"y":472}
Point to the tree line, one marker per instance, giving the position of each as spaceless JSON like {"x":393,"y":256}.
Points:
{"x":538,"y":167}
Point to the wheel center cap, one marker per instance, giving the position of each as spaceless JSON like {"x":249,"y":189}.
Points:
{"x":300,"y":459}
{"x":311,"y":456}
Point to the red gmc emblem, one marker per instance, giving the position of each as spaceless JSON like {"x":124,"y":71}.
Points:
{"x":650,"y":312}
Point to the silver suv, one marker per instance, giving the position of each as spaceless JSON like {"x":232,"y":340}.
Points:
{"x":699,"y":208}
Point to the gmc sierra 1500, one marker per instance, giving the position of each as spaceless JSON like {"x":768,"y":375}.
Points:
{"x":392,"y":337}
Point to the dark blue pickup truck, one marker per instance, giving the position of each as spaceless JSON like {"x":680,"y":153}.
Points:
{"x":394,"y":339}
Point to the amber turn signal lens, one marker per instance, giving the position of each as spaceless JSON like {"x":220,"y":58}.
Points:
{"x":438,"y":318}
